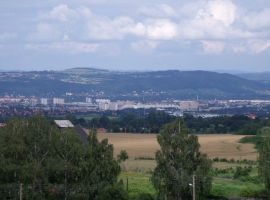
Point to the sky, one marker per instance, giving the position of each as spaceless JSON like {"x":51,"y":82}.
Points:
{"x":135,"y":35}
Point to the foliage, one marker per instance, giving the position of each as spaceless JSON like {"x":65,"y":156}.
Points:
{"x":112,"y":193}
{"x":264,"y":161}
{"x":143,"y":196}
{"x":203,"y":83}
{"x":247,"y":192}
{"x":256,"y":140}
{"x":41,"y":156}
{"x":123,"y":155}
{"x":216,"y":159}
{"x":178,"y":160}
{"x":217,"y":193}
{"x":241,"y":172}
{"x":252,"y":179}
{"x":134,"y":121}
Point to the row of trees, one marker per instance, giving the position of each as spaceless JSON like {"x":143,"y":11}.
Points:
{"x":152,"y":123}
{"x":129,"y":123}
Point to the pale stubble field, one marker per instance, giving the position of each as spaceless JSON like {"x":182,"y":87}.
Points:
{"x":214,"y":145}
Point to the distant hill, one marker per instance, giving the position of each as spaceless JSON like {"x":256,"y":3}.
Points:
{"x":153,"y":85}
{"x":256,"y":76}
{"x":234,"y":72}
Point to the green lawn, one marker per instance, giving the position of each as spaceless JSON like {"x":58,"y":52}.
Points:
{"x":138,"y":183}
{"x":223,"y":184}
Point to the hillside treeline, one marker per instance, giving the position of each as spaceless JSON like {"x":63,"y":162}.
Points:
{"x":153,"y":122}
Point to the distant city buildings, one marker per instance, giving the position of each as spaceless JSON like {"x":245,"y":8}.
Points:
{"x":58,"y":101}
{"x":88,"y":100}
{"x":33,"y":102}
{"x":120,"y":105}
{"x":44,"y":101}
{"x":58,"y":106}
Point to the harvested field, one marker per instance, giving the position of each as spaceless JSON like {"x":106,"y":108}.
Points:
{"x":215,"y":145}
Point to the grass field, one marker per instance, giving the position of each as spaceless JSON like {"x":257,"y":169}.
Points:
{"x":214,"y":145}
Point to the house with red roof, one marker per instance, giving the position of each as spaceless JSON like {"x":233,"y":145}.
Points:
{"x":252,"y":116}
{"x":102,"y":130}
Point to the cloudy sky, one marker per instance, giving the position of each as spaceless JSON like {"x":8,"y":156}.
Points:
{"x":135,"y":35}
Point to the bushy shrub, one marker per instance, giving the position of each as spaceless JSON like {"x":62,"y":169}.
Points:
{"x":216,"y":159}
{"x":112,"y":193}
{"x":223,"y":160}
{"x":251,"y":179}
{"x":143,"y":196}
{"x":217,"y":193}
{"x":247,"y":192}
{"x":241,"y":172}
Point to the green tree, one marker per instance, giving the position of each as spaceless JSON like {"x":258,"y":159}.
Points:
{"x":116,"y":129}
{"x":39,"y":155}
{"x":123,"y":155}
{"x":98,"y":169}
{"x":178,"y":160}
{"x":264,"y":162}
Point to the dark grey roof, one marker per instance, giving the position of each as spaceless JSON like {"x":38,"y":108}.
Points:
{"x":82,"y":133}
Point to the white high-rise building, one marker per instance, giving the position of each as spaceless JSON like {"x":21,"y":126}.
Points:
{"x":88,"y":100}
{"x":103,"y":106}
{"x":33,"y":102}
{"x":58,"y":101}
{"x":113,"y":106}
{"x":103,"y":101}
{"x":44,"y":101}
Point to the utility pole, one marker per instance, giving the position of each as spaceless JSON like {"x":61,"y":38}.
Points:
{"x":193,"y":187}
{"x":127,"y":184}
{"x":21,"y":191}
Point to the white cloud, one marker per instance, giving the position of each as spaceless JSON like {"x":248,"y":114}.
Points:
{"x":103,"y":28}
{"x":252,"y":46}
{"x":213,"y":22}
{"x":144,"y":46}
{"x":84,"y":12}
{"x":212,"y":47}
{"x":258,"y":46}
{"x":258,"y":20}
{"x":67,"y":47}
{"x":61,"y":13}
{"x":161,"y":29}
{"x":206,"y":20}
{"x":221,"y":10}
{"x":158,"y":11}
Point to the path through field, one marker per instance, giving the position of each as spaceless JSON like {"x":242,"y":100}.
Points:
{"x":215,"y":145}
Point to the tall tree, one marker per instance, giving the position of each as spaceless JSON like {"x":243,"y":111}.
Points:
{"x":264,"y":162}
{"x":178,"y":160}
{"x":99,"y":169}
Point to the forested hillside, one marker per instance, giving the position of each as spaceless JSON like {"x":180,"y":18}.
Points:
{"x":131,"y":85}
